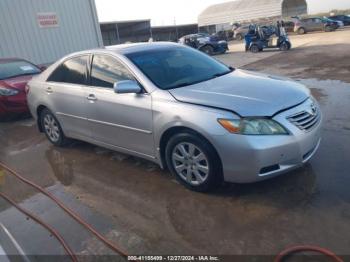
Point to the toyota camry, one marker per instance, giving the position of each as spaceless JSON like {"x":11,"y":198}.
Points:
{"x":173,"y":105}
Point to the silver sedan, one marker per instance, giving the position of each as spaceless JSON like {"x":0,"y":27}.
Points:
{"x":204,"y":121}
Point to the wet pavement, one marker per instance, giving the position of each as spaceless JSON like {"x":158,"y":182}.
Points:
{"x":145,"y":210}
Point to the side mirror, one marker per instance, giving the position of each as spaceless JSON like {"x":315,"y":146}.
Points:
{"x":126,"y":87}
{"x":42,"y":68}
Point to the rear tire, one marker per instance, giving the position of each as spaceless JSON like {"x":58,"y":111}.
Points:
{"x":328,"y":28}
{"x":209,"y":50}
{"x":255,"y":49}
{"x":194,"y":162}
{"x":52,"y":129}
{"x":239,"y":37}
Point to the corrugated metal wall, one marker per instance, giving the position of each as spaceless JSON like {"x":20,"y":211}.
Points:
{"x":21,"y":36}
{"x":239,"y":10}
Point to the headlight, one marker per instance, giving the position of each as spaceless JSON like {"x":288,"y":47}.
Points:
{"x":253,"y":126}
{"x":7,"y":92}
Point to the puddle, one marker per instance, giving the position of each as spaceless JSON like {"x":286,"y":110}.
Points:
{"x":161,"y":216}
{"x":316,"y":83}
{"x":334,"y":95}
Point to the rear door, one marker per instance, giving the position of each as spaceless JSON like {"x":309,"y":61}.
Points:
{"x":121,"y":120}
{"x":66,"y":91}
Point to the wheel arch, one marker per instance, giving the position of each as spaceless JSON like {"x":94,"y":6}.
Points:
{"x":205,"y":45}
{"x":180,"y":129}
{"x":39,"y":109}
{"x":303,"y":28}
{"x":241,"y":36}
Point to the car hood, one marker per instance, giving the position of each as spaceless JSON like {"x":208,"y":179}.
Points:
{"x":245,"y":93}
{"x":18,"y":83}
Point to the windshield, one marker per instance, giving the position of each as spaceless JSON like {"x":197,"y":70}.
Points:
{"x":175,"y":67}
{"x":17,"y":68}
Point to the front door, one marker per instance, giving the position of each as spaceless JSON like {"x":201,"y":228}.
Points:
{"x":121,"y":120}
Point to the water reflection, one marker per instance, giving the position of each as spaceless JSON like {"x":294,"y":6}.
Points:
{"x":233,"y":214}
{"x":61,"y":166}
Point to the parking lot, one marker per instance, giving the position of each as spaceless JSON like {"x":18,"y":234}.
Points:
{"x":143,"y":209}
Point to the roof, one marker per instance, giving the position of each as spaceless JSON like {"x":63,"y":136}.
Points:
{"x":125,"y":21}
{"x":136,"y":47}
{"x":14,"y":59}
{"x":173,"y":26}
{"x":245,"y":10}
{"x":124,"y":48}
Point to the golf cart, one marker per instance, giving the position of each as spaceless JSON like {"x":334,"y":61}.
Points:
{"x":261,"y":37}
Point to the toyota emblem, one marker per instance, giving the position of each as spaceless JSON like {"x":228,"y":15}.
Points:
{"x":313,"y":109}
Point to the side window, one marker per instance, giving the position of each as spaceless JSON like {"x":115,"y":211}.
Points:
{"x":72,"y":71}
{"x":106,"y":71}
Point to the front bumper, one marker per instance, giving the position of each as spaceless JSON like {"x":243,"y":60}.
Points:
{"x":13,"y":104}
{"x":248,"y":159}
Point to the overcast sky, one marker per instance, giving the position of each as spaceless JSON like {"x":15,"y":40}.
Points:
{"x":167,"y":12}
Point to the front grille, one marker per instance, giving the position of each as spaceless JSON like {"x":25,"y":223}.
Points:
{"x":306,"y":120}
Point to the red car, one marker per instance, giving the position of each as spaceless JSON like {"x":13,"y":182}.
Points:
{"x":14,"y":75}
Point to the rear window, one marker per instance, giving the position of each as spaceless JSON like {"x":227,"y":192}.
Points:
{"x":72,"y":71}
{"x":17,"y":68}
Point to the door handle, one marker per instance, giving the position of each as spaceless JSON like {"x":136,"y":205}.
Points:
{"x":91,"y":97}
{"x":49,"y":90}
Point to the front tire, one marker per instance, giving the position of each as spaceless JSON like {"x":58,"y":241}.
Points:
{"x":52,"y":129}
{"x":194,"y":162}
{"x":285,"y":46}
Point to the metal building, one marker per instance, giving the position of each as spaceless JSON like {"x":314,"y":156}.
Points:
{"x":220,"y":16}
{"x":43,"y":31}
{"x":120,"y":32}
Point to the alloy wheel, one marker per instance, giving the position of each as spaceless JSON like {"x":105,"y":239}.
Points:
{"x":190,"y":163}
{"x":51,"y":128}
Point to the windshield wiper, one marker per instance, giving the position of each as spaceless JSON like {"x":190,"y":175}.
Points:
{"x":202,"y":80}
{"x":180,"y":85}
{"x":224,"y":73}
